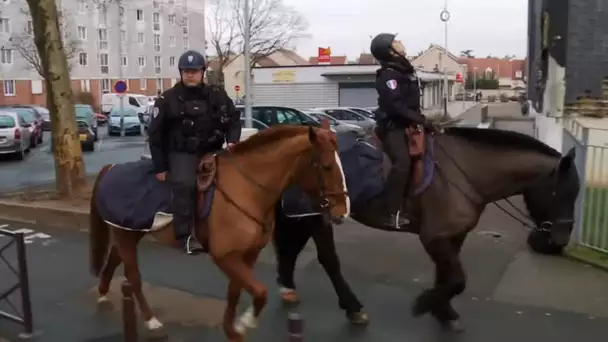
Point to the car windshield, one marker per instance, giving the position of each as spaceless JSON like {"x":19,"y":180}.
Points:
{"x":124,"y":112}
{"x":142,"y":100}
{"x":361,"y":111}
{"x":25,"y":113}
{"x":322,"y":116}
{"x":7,"y":121}
{"x":83,"y":112}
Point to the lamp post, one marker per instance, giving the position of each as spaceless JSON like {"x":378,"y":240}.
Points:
{"x":445,"y":17}
{"x":248,"y":115}
{"x":475,"y":83}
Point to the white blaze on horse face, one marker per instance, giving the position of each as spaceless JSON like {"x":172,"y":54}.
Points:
{"x":343,"y":184}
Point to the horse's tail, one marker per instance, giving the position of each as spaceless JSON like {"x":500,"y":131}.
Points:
{"x":99,"y":232}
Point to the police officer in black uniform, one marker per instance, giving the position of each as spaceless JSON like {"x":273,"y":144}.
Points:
{"x":399,"y":107}
{"x":189,"y":120}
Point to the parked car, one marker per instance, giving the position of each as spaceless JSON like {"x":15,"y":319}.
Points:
{"x":466,"y":96}
{"x":130,"y":119}
{"x":277,"y":115}
{"x":42,"y":115}
{"x":33,"y":120}
{"x":15,"y":136}
{"x":337,"y":125}
{"x":85,"y":113}
{"x":368,"y":113}
{"x":86,"y":136}
{"x":101,"y":119}
{"x":349,"y":116}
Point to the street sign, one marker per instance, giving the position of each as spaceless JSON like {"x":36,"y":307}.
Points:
{"x":459,"y":78}
{"x":237,"y":88}
{"x":120,"y":87}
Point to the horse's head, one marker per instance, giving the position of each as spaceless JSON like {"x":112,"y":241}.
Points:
{"x":321,"y":176}
{"x":551,"y":201}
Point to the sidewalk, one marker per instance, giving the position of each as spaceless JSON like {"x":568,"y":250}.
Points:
{"x":455,"y":109}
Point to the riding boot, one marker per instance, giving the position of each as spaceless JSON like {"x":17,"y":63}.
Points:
{"x":183,"y":218}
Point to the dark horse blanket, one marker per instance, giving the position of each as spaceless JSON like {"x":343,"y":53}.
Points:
{"x":130,"y":197}
{"x":363,"y":167}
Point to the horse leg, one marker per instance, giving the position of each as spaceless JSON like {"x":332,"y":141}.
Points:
{"x":105,"y":278}
{"x":239,"y":269}
{"x":289,"y":241}
{"x":126,"y":245}
{"x":233,"y":296}
{"x":323,"y":236}
{"x":449,"y":282}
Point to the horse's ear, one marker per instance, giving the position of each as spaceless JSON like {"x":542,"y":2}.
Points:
{"x":325,"y":123}
{"x":571,"y":153}
{"x":312,"y":135}
{"x":567,"y":161}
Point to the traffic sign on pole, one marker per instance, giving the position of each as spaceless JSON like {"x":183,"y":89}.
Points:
{"x":459,"y":78}
{"x":237,"y":88}
{"x":120,"y":87}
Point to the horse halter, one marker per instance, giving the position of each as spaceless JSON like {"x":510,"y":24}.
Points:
{"x":324,"y":195}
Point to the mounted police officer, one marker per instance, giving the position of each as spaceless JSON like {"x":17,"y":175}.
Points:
{"x":188,"y":121}
{"x":399,"y":107}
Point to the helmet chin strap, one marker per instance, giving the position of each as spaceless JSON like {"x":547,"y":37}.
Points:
{"x":194,"y":86}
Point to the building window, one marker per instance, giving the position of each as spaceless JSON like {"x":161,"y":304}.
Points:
{"x":185,"y":25}
{"x":139,"y":14}
{"x":171,"y":19}
{"x":6,"y":56}
{"x":85,"y":85}
{"x":157,"y":61}
{"x":143,"y":83}
{"x":105,"y":85}
{"x":171,"y":61}
{"x":83,"y":59}
{"x":10,"y":88}
{"x":518,"y":74}
{"x":29,"y":29}
{"x":82,"y":33}
{"x":141,"y":38}
{"x":156,"y":21}
{"x":104,"y":59}
{"x":159,"y":85}
{"x":155,"y":4}
{"x":123,"y":36}
{"x":103,"y":16}
{"x":186,"y":43}
{"x":82,"y":6}
{"x":157,"y":42}
{"x":171,"y":40}
{"x":141,"y":61}
{"x":123,"y":60}
{"x":103,"y":38}
{"x":5,"y":25}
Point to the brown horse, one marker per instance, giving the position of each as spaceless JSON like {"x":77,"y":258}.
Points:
{"x":241,"y":218}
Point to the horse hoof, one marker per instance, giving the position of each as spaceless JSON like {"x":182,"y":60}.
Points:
{"x":245,"y":322}
{"x":359,"y":318}
{"x":153,"y":324}
{"x":104,"y":303}
{"x":289,"y":296}
{"x":455,"y":326}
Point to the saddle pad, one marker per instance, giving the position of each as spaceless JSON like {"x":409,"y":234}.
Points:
{"x":130,"y":197}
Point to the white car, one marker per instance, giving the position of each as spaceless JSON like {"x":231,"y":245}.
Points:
{"x":15,"y":136}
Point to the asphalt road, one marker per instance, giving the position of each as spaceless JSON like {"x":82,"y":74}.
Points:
{"x":39,"y":166}
{"x":512,"y":295}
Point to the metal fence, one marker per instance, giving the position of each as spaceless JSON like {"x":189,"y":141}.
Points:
{"x":591,"y":145}
{"x":17,"y":267}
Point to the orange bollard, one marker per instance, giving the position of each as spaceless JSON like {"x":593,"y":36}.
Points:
{"x":129,"y":318}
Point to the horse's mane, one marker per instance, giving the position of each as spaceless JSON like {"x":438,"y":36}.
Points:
{"x":503,"y":139}
{"x":269,"y":135}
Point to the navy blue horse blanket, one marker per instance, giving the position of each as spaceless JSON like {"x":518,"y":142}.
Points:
{"x":130,"y":197}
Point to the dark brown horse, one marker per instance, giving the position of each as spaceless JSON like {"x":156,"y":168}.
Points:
{"x":241,"y":219}
{"x":473,"y":167}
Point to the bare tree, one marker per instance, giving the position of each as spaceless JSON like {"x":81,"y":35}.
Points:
{"x":273,"y":26}
{"x":69,"y":167}
{"x":223,"y":36}
{"x":23,"y":42}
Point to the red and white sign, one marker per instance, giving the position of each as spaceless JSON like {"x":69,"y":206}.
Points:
{"x":459,"y":78}
{"x":237,"y":88}
{"x":324,"y":55}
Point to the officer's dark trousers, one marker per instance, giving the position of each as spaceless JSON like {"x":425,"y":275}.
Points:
{"x":395,"y":145}
{"x":182,"y":174}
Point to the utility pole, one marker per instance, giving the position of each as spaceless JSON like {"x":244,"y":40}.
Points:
{"x":445,"y":17}
{"x":248,"y":116}
{"x":121,"y":14}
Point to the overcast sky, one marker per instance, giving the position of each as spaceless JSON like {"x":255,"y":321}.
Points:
{"x":484,"y":26}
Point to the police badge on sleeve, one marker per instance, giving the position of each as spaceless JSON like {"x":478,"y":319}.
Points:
{"x":391,"y":84}
{"x":155,"y":112}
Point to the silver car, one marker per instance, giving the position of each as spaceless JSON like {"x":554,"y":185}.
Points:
{"x":15,"y":136}
{"x":349,"y":116}
{"x":338,"y":126}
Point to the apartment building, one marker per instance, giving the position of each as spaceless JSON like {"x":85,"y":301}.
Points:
{"x":138,"y":41}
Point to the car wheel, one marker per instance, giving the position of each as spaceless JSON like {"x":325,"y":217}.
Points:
{"x":21,"y":154}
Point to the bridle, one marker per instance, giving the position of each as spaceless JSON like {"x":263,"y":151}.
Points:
{"x":266,"y":223}
{"x":543,"y":227}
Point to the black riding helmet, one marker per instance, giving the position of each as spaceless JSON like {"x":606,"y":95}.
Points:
{"x":381,"y":47}
{"x":191,"y":60}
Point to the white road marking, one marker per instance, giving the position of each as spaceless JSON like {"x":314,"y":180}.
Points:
{"x":30,"y":235}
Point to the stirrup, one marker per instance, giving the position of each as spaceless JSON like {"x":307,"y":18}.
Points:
{"x":398,"y":218}
{"x":190,"y":248}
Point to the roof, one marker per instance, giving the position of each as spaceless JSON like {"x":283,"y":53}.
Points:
{"x":440,"y":48}
{"x":293,"y":56}
{"x":502,"y":67}
{"x":366,"y":58}
{"x":266,"y":62}
{"x":334,"y":60}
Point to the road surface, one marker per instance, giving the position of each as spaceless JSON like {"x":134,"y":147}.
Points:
{"x":512,"y":294}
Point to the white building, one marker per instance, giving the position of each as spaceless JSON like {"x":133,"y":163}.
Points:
{"x":306,"y":86}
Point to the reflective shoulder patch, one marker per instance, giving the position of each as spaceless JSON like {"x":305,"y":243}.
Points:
{"x":391,"y":84}
{"x":155,"y":112}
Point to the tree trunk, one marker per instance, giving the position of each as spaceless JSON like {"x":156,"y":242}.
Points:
{"x":69,"y":166}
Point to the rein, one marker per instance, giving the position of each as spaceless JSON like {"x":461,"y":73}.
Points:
{"x":544,"y":226}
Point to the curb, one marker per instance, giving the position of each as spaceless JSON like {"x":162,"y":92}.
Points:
{"x":587,"y":256}
{"x":50,"y":217}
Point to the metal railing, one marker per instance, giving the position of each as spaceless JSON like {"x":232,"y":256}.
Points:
{"x":20,"y":272}
{"x":591,"y":145}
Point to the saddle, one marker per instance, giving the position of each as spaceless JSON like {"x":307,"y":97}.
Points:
{"x":205,"y":179}
{"x":206,"y":172}
{"x":417,"y":148}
